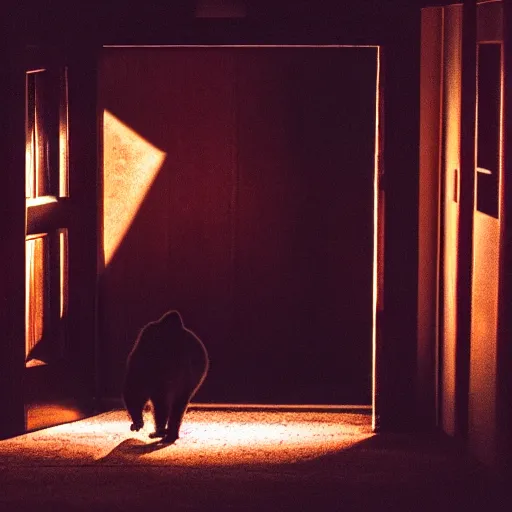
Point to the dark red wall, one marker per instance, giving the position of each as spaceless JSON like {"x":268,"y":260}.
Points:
{"x":258,"y":227}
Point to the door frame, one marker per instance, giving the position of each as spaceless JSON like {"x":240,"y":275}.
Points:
{"x":377,"y":397}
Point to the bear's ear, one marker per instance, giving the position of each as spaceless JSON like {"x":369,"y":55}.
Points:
{"x":172,"y":320}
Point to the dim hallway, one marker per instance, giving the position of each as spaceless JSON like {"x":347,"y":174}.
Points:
{"x":322,"y":189}
{"x":242,"y":460}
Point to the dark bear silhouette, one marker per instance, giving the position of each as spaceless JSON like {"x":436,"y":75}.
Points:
{"x":167,"y":365}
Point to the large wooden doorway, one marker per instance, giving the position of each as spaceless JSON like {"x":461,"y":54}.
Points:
{"x":239,"y":189}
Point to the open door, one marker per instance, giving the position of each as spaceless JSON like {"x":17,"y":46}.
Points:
{"x":60,"y":250}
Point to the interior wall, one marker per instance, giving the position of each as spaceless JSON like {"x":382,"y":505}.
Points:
{"x":485,"y":284}
{"x":258,"y":226}
{"x":504,"y":349}
{"x":450,"y":192}
{"x":177,"y":251}
{"x":482,"y":405}
{"x":12,"y":227}
{"x":431,"y":86}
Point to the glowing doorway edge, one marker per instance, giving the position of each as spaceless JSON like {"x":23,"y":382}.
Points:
{"x":377,"y":254}
{"x":131,"y":165}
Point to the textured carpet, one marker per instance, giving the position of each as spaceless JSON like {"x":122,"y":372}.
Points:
{"x":207,"y":438}
{"x":240,"y":460}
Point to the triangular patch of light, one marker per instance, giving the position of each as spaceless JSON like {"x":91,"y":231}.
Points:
{"x":130,"y":166}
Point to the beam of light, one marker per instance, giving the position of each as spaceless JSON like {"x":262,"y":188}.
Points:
{"x":64,"y":137}
{"x":29,"y":163}
{"x":377,"y":263}
{"x":63,"y":271}
{"x":207,"y":438}
{"x":130,"y":164}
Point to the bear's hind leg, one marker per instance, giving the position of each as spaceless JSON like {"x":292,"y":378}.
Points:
{"x":161,"y":411}
{"x":176,"y":414}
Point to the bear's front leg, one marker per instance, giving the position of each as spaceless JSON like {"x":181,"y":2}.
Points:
{"x":134,"y":402}
{"x":136,"y":425}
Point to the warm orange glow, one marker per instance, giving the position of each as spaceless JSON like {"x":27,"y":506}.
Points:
{"x":484,"y":317}
{"x":34,"y":291}
{"x":38,"y":153}
{"x":29,"y":163}
{"x":63,"y":271}
{"x":35,"y":139}
{"x":485,"y":283}
{"x":484,"y":326}
{"x":30,"y":143}
{"x":131,"y":164}
{"x":63,"y":139}
{"x":38,"y":201}
{"x":41,"y":415}
{"x":208,"y":438}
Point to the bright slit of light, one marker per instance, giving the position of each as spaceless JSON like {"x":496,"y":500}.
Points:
{"x":41,"y":200}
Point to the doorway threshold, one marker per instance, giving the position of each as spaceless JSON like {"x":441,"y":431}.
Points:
{"x":359,"y":409}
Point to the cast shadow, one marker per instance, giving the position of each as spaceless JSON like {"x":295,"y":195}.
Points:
{"x":130,"y":450}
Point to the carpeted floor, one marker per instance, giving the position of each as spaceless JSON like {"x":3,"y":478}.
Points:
{"x":241,"y":460}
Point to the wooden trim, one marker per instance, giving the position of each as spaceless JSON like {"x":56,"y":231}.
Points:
{"x":48,"y":217}
{"x":504,"y":343}
{"x":12,"y":236}
{"x":466,"y":207}
{"x":396,"y":357}
{"x":83,"y":229}
{"x":429,"y":234}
